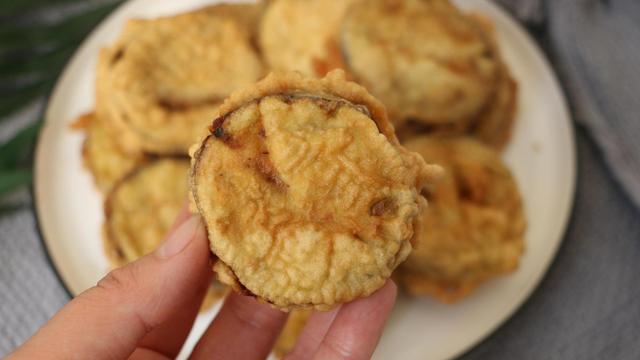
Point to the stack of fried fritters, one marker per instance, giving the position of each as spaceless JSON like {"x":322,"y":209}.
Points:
{"x":452,"y":98}
{"x":438,"y":70}
{"x":157,"y":87}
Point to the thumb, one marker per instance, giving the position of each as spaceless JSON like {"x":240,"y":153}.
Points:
{"x":109,"y":320}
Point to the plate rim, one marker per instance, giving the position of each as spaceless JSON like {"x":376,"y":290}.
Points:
{"x":521,"y":31}
{"x":530,"y":41}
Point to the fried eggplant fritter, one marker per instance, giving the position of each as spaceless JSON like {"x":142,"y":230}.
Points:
{"x":308,"y":198}
{"x":302,"y":35}
{"x":495,"y":125}
{"x":424,"y":59}
{"x":102,"y":155}
{"x":473,"y":228}
{"x":141,"y":208}
{"x":164,"y":78}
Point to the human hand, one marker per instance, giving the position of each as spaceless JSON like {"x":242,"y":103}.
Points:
{"x":145,"y":310}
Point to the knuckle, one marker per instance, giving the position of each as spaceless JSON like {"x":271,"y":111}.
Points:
{"x":120,"y":280}
{"x":256,"y":318}
{"x":342,"y":350}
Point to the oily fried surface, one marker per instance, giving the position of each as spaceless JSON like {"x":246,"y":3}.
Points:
{"x":140,"y":210}
{"x":103,"y":156}
{"x":290,"y":333}
{"x":424,"y":59}
{"x":302,"y":35}
{"x":306,"y":202}
{"x":495,"y":124}
{"x":164,"y":78}
{"x":249,"y":14}
{"x":126,"y":139}
{"x":473,"y":228}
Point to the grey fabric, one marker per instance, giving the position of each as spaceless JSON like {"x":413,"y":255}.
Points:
{"x":588,"y":306}
{"x":29,"y":290}
{"x":595,"y":45}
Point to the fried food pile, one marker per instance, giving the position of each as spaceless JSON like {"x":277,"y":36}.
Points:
{"x":157,"y":88}
{"x":472,"y":229}
{"x":302,"y":176}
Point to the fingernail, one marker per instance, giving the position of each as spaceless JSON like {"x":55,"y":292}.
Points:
{"x":180,"y":238}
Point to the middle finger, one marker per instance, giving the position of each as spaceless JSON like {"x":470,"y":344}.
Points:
{"x":243,"y":329}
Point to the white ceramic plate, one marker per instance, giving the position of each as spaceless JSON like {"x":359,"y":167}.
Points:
{"x":541,"y":155}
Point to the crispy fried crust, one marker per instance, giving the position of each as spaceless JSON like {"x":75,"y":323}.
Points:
{"x":473,"y":229}
{"x":103,"y":156}
{"x":141,"y":208}
{"x":164,"y":78}
{"x":492,"y":127}
{"x":302,"y":35}
{"x":248,"y":15}
{"x":290,"y":333}
{"x":423,"y":58}
{"x":495,"y":125}
{"x":308,"y":198}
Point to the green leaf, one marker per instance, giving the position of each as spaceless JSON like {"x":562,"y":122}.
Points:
{"x":15,"y":151}
{"x":73,"y":29}
{"x":11,"y":180}
{"x":44,"y":64}
{"x":12,"y":7}
{"x":23,"y":96}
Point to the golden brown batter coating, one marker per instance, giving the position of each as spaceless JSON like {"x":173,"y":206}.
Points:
{"x":140,"y":210}
{"x":474,"y":225}
{"x":164,"y":78}
{"x":495,"y":125}
{"x":308,"y":198}
{"x":301,"y":35}
{"x":423,"y":58}
{"x":103,"y":156}
{"x":249,"y":15}
{"x":492,"y":127}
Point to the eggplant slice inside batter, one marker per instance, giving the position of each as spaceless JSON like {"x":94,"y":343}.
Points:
{"x":424,"y":59}
{"x":308,"y":198}
{"x":473,"y":229}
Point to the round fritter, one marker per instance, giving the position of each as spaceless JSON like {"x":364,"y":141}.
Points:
{"x":492,"y":127}
{"x":423,"y":59}
{"x":103,"y":156}
{"x":308,"y":197}
{"x":164,"y":78}
{"x":474,"y":225}
{"x":301,"y":35}
{"x":291,"y":331}
{"x":249,"y":14}
{"x":140,"y":210}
